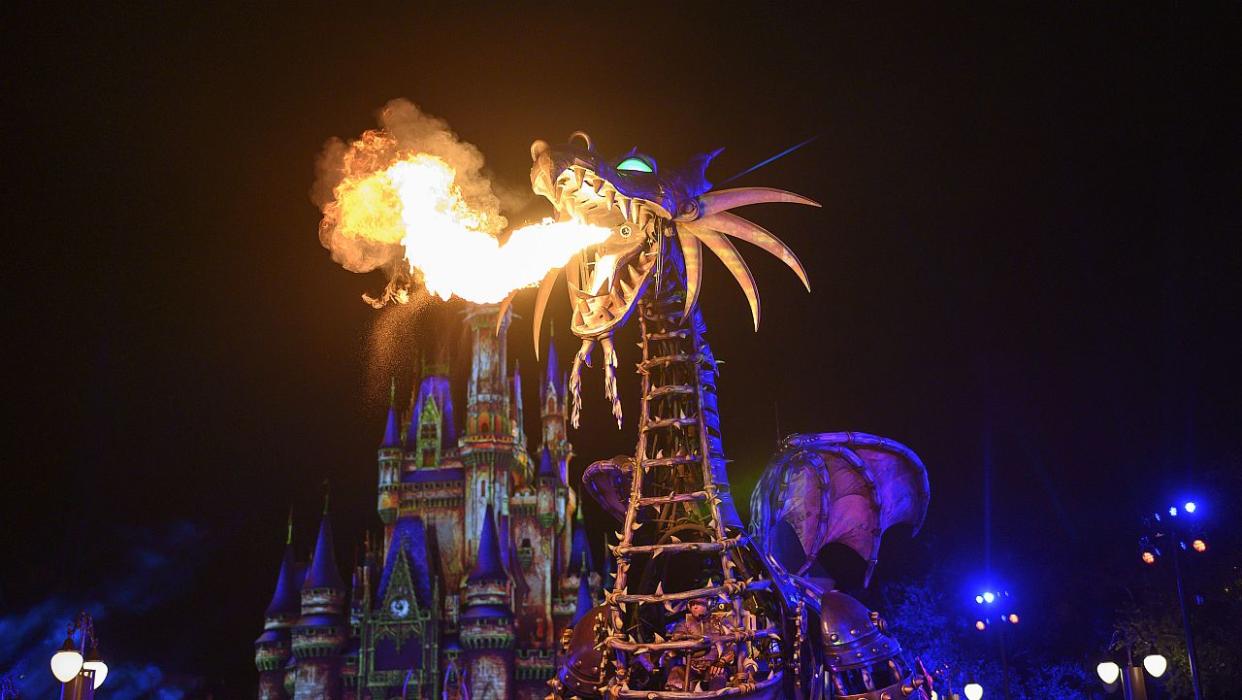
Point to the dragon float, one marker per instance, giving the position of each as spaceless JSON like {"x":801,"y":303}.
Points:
{"x":703,"y":607}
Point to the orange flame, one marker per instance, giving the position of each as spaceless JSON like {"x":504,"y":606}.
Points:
{"x":412,"y":200}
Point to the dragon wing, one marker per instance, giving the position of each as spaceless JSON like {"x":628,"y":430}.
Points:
{"x":846,"y":488}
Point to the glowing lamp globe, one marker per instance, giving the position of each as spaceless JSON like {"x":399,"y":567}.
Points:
{"x":979,"y":599}
{"x":1149,"y":557}
{"x":980,"y":625}
{"x":1155,"y":665}
{"x":1108,"y":672}
{"x":95,"y":664}
{"x":1199,"y":546}
{"x":989,"y":596}
{"x":1173,"y":511}
{"x":67,"y":662}
{"x":1189,"y":507}
{"x":973,"y":691}
{"x":1013,"y":618}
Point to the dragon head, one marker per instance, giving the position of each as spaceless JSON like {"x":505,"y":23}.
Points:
{"x":659,"y":218}
{"x":633,"y":198}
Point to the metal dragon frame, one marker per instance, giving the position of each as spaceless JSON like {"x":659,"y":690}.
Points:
{"x":702,"y":607}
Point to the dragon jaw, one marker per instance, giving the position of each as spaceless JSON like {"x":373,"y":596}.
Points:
{"x":650,"y":214}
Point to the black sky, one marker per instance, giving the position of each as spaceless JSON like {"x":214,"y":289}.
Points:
{"x":1029,"y":250}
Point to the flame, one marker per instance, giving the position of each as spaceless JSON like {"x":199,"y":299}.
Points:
{"x":412,"y":200}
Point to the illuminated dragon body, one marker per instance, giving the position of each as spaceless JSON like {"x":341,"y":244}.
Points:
{"x":777,"y":628}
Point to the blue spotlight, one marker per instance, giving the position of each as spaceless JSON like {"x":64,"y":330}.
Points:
{"x":989,"y":596}
{"x":1190,"y":506}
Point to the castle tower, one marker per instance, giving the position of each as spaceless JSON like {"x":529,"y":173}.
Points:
{"x":273,"y":648}
{"x":486,"y":623}
{"x":578,"y":564}
{"x":553,"y":416}
{"x":390,"y":463}
{"x":487,"y":444}
{"x":321,"y":632}
{"x":515,"y":415}
{"x":433,"y":430}
{"x":552,"y":409}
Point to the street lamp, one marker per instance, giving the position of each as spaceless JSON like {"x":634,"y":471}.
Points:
{"x":80,"y":673}
{"x":973,"y":691}
{"x":1172,"y":531}
{"x":1133,"y":683}
{"x":988,"y":599}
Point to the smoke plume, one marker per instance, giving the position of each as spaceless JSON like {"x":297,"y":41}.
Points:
{"x":349,"y":232}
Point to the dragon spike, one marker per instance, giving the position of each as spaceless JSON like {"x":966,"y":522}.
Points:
{"x":610,"y":376}
{"x":724,"y":200}
{"x":541,"y":304}
{"x":751,"y":232}
{"x":692,"y":253}
{"x":728,"y":254}
{"x":500,"y":317}
{"x":583,"y":356}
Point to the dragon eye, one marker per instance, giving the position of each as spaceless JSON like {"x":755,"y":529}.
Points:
{"x":637,"y":165}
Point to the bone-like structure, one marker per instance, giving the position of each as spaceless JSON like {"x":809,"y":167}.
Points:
{"x":680,"y":538}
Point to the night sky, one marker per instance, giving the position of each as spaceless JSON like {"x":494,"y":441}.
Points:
{"x":1025,"y":269}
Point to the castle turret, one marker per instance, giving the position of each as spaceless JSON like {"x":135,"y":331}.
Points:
{"x":433,"y":431}
{"x":487,"y":626}
{"x":487,"y":451}
{"x":390,"y":462}
{"x":273,"y":648}
{"x":515,"y":417}
{"x":322,"y":631}
{"x":585,"y":600}
{"x":552,"y":408}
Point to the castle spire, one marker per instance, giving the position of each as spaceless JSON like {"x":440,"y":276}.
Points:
{"x":323,"y":571}
{"x":585,"y":601}
{"x":488,"y":566}
{"x":580,"y":549}
{"x":392,"y":432}
{"x":553,"y":376}
{"x":285,"y":599}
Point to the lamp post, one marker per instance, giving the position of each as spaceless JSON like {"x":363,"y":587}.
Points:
{"x":79,"y":669}
{"x":1007,"y":616}
{"x":1133,"y":682}
{"x":1169,"y":529}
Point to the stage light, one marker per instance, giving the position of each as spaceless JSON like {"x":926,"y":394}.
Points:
{"x":1199,"y":546}
{"x":973,"y":691}
{"x":1190,"y":506}
{"x":1108,"y":672}
{"x":989,"y":596}
{"x":1155,"y":665}
{"x":67,"y":662}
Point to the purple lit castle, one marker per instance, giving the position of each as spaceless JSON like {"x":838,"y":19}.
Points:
{"x":484,"y":560}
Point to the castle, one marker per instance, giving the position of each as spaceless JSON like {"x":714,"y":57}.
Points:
{"x":484,"y":559}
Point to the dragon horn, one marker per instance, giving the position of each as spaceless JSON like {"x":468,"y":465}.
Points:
{"x":504,"y":306}
{"x":751,"y":232}
{"x":728,"y":254}
{"x":541,"y":303}
{"x":692,"y":252}
{"x":724,"y":200}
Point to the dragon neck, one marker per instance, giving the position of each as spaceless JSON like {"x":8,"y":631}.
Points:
{"x":679,"y":423}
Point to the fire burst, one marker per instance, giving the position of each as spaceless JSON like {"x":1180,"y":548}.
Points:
{"x":413,"y":202}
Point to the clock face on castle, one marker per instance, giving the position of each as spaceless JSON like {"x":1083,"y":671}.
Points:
{"x":400,"y":607}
